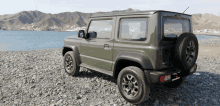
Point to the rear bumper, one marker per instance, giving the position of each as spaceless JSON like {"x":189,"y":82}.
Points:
{"x":153,"y":77}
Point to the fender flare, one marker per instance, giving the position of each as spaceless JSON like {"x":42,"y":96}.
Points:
{"x":143,"y":60}
{"x":76,"y":54}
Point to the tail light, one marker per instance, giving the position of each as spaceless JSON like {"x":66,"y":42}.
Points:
{"x":165,"y":78}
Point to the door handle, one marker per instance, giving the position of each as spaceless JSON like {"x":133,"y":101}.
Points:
{"x":106,"y":47}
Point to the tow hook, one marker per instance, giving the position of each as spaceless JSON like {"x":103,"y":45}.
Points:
{"x":175,"y":76}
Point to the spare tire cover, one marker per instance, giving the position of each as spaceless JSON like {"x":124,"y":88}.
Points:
{"x":185,"y":51}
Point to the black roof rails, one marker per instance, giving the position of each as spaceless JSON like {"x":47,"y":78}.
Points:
{"x":130,"y":13}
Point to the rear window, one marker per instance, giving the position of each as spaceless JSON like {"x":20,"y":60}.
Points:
{"x":134,"y":29}
{"x":175,"y":26}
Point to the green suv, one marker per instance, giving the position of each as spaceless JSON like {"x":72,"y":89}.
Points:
{"x":140,"y":49}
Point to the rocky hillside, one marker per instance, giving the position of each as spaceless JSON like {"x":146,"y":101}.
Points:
{"x":36,"y":20}
{"x":206,"y":21}
{"x":42,"y":20}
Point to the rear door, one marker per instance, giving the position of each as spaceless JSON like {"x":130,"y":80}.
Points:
{"x":172,"y":26}
{"x":97,"y":52}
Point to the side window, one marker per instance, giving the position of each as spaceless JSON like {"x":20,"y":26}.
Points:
{"x":133,"y":29}
{"x":103,"y":28}
{"x":175,"y":26}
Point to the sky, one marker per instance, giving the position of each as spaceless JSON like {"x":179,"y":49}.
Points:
{"x":90,"y":6}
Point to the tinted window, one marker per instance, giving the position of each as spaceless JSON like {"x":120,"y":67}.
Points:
{"x":175,"y":26}
{"x":103,"y":28}
{"x":133,"y":29}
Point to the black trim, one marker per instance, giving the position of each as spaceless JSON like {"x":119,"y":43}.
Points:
{"x":76,"y":53}
{"x":108,"y":14}
{"x":97,"y":69}
{"x":144,"y":61}
{"x":139,"y":58}
{"x":153,"y":77}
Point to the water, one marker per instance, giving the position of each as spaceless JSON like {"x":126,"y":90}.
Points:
{"x":201,"y":37}
{"x":29,"y":40}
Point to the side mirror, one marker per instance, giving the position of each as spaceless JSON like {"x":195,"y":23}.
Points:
{"x":91,"y":35}
{"x":169,"y":37}
{"x":81,"y":34}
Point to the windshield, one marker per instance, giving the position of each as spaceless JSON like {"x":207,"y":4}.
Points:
{"x":175,"y":26}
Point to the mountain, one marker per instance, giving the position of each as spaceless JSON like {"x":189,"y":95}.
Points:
{"x":205,"y":21}
{"x":43,"y":20}
{"x":29,"y":20}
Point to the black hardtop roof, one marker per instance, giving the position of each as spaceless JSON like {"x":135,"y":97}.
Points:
{"x":133,"y":13}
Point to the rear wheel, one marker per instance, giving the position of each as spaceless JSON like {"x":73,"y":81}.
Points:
{"x":132,"y":85}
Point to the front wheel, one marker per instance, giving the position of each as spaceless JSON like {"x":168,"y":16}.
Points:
{"x":132,"y":85}
{"x":70,"y":65}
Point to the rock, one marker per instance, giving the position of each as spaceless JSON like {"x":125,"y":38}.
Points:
{"x":156,"y":102}
{"x":59,"y":102}
{"x":179,"y":101}
{"x":215,"y":101}
{"x":170,"y":99}
{"x":33,"y":86}
{"x":78,"y":97}
{"x":52,"y":104}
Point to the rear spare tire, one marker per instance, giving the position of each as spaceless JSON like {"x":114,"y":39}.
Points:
{"x":185,"y":52}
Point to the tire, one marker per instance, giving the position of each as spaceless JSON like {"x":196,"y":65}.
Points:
{"x":185,"y":52}
{"x":139,"y":86}
{"x":70,"y":61}
{"x":176,"y":83}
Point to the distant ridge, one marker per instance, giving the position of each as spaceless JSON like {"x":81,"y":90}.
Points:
{"x":46,"y":21}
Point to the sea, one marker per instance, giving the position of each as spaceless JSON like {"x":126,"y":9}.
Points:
{"x":30,"y":40}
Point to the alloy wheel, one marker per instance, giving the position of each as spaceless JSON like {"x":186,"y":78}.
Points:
{"x":190,"y":52}
{"x":69,"y":63}
{"x":130,"y":85}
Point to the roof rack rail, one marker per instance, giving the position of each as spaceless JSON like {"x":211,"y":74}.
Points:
{"x":122,"y":13}
{"x":125,"y":13}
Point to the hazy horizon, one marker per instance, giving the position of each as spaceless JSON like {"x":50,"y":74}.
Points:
{"x":86,"y":6}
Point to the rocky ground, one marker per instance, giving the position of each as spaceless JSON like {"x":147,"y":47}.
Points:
{"x":37,"y":77}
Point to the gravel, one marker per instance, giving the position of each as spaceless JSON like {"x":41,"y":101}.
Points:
{"x":37,"y":77}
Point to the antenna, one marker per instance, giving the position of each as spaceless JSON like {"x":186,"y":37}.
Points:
{"x":36,"y":7}
{"x":186,"y":9}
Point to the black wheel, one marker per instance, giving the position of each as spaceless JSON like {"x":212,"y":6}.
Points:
{"x":185,"y":52}
{"x":70,"y":65}
{"x":132,"y":85}
{"x":175,"y":83}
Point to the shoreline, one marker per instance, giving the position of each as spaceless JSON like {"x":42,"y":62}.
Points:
{"x":208,"y":35}
{"x":212,"y":43}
